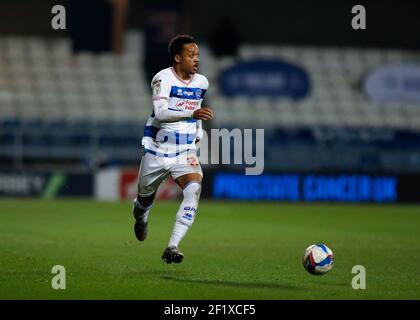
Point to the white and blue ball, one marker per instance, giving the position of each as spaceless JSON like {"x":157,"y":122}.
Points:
{"x":318,"y":259}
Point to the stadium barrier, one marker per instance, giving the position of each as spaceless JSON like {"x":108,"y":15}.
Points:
{"x":312,"y":187}
{"x":45,"y":184}
{"x":120,"y":184}
{"x":286,"y":149}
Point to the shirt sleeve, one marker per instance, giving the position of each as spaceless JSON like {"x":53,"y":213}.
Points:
{"x":199,"y":131}
{"x":161,"y":90}
{"x":206,"y":83}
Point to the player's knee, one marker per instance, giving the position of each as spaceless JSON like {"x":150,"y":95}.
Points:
{"x":193,"y":189}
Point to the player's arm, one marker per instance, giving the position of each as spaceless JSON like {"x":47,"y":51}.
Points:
{"x":161,"y":92}
{"x":163,"y":113}
{"x":199,"y":131}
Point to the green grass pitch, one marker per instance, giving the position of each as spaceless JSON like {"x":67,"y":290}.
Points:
{"x":234,"y":250}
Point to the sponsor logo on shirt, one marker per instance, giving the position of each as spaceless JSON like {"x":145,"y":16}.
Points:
{"x":180,"y":103}
{"x":187,"y":93}
{"x":187,"y":104}
{"x":191,"y":104}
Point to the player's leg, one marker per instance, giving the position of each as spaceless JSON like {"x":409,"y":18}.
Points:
{"x":191,"y":188}
{"x":151,"y":174}
{"x":141,"y":210}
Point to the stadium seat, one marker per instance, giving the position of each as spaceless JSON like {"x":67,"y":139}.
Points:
{"x":41,"y":80}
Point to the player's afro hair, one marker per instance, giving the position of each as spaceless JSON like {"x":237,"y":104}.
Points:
{"x":176,"y":44}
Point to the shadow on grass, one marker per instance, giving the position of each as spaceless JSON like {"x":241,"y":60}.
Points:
{"x":328,"y":284}
{"x":163,"y":273}
{"x":262,"y":285}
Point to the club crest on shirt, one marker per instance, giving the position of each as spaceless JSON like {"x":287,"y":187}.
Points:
{"x":198,"y":93}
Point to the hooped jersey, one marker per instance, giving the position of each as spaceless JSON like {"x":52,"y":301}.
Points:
{"x":170,"y":139}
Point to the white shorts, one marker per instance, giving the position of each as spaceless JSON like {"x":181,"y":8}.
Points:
{"x":154,"y":169}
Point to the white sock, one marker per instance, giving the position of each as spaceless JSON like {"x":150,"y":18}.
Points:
{"x":141,"y":212}
{"x":186,"y":213}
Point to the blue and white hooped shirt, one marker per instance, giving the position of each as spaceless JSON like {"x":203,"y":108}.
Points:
{"x":169,"y":139}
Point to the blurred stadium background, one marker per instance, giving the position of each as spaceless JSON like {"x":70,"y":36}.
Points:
{"x":339,"y":101}
{"x":340,"y":107}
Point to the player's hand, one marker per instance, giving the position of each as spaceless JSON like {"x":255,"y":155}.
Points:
{"x":203,"y":114}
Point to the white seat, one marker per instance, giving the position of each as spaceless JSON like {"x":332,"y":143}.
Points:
{"x":247,"y":52}
{"x":75,"y":113}
{"x":24,"y":97}
{"x":352,"y":56}
{"x":329,"y":119}
{"x":392,"y":55}
{"x":414,"y":123}
{"x":8,"y":110}
{"x":266,"y":51}
{"x":29,"y":111}
{"x":95,"y":113}
{"x":289,"y":53}
{"x":52,"y":113}
{"x":45,"y":76}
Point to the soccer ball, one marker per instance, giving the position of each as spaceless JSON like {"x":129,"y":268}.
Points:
{"x":318,"y":259}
